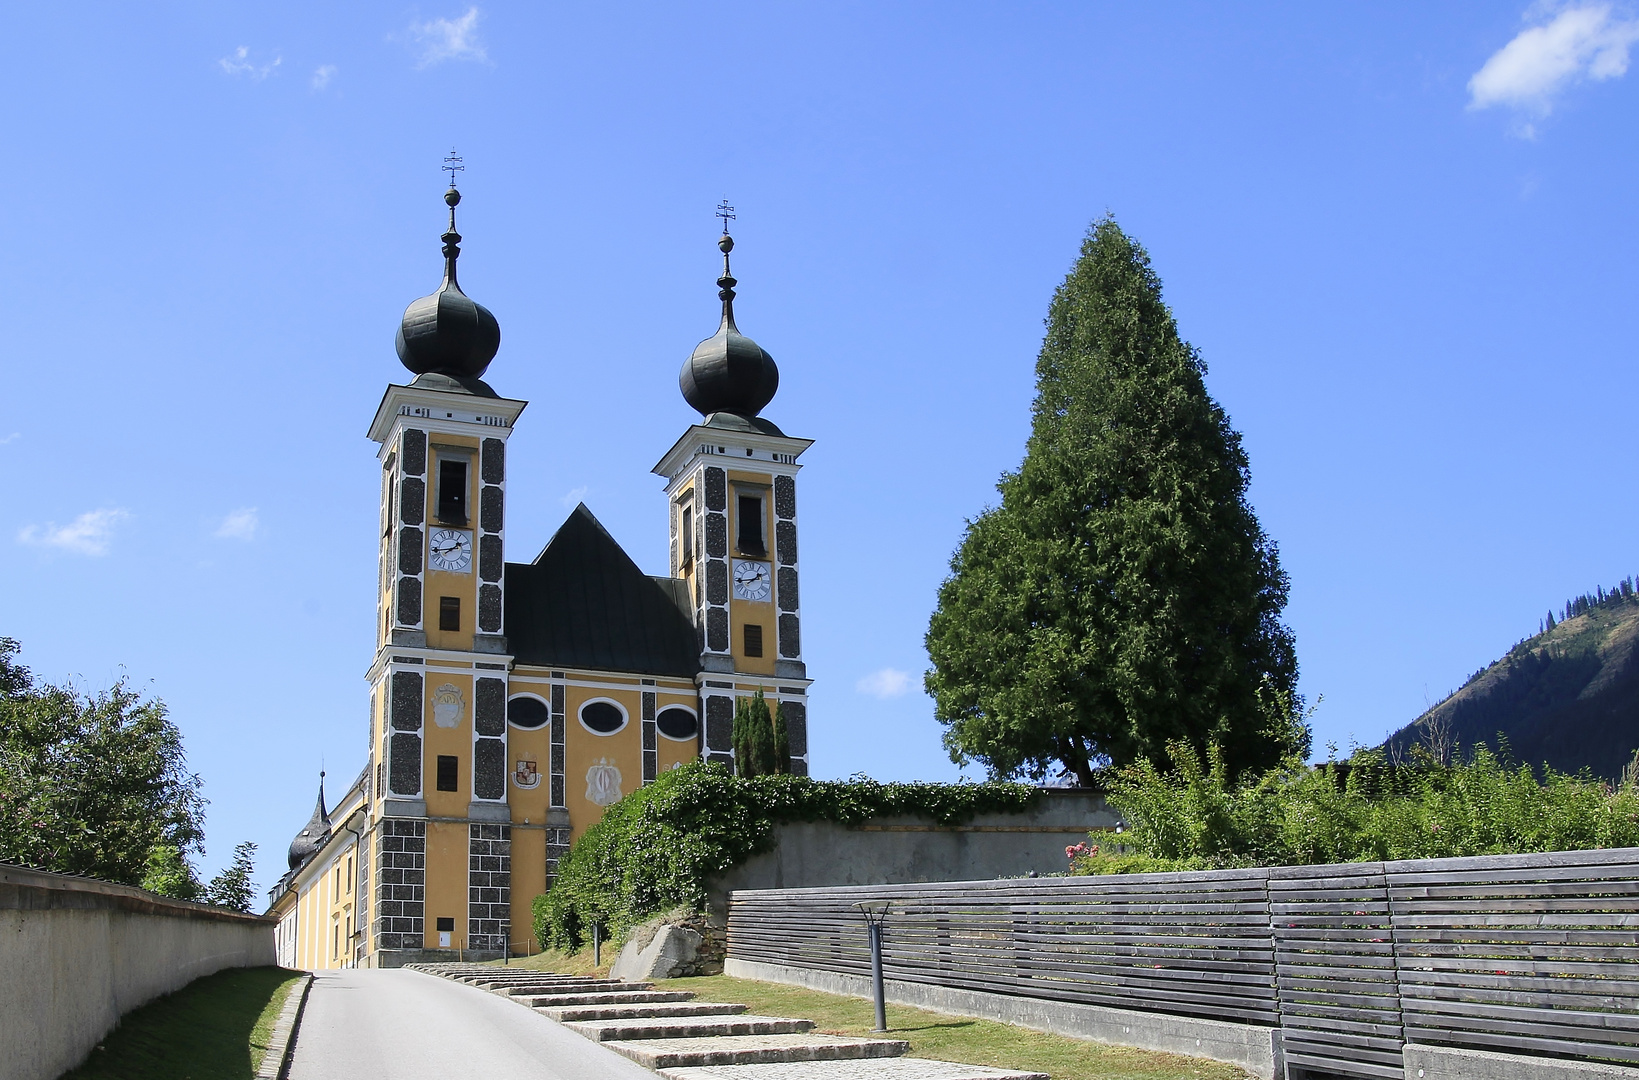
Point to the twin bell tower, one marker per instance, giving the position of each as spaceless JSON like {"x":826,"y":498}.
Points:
{"x":511,"y":702}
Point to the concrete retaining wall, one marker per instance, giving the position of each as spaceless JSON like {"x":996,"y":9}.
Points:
{"x":76,"y":954}
{"x":1448,"y":1063}
{"x":1255,"y":1049}
{"x":901,"y":851}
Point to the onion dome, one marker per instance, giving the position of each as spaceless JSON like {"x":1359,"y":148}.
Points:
{"x":313,"y":833}
{"x":446,"y":333}
{"x":728,"y":372}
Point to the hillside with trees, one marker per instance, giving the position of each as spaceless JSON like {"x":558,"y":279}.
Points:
{"x":1567,"y":697}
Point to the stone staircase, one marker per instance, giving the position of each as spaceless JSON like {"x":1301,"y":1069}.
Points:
{"x":684,"y":1039}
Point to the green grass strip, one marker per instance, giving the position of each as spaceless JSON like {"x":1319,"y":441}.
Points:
{"x":955,"y":1038}
{"x":215,"y":1028}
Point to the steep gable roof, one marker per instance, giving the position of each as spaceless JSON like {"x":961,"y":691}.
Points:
{"x":583,"y":603}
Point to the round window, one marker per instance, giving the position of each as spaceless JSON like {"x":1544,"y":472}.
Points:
{"x":677,"y":723}
{"x":527,"y":712}
{"x":603,"y":717}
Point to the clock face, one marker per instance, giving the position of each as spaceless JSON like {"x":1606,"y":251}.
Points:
{"x":450,"y":550}
{"x":752,"y":580}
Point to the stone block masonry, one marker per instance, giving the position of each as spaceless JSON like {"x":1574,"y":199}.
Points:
{"x":489,"y":886}
{"x":557,"y":848}
{"x":401,"y":885}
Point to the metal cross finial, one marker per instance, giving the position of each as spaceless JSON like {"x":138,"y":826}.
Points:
{"x":452,"y":165}
{"x":726,"y":212}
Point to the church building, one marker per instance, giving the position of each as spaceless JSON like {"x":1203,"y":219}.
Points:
{"x":511,"y":702}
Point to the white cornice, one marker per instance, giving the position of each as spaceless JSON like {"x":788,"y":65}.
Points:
{"x":441,"y":410}
{"x":730,"y":447}
{"x":385,"y":654}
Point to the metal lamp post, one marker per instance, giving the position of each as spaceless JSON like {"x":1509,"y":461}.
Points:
{"x":876,"y":912}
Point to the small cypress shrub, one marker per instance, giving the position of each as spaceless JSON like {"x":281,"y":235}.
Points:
{"x":782,"y":742}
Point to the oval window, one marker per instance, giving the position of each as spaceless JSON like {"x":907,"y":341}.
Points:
{"x":603,"y":717}
{"x":527,"y":712}
{"x":677,"y":723}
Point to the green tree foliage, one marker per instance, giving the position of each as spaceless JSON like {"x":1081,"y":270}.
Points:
{"x":656,"y":849}
{"x":1196,"y":815}
{"x":169,"y":873}
{"x":233,"y":887}
{"x":755,"y":753}
{"x":782,"y":742}
{"x":90,"y":784}
{"x":1123,"y":595}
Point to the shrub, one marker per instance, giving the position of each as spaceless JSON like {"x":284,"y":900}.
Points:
{"x":657,"y":848}
{"x":1365,"y":809}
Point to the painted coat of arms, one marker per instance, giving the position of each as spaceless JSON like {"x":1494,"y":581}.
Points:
{"x":447,"y":705}
{"x":526,"y":775}
{"x":603,"y":783}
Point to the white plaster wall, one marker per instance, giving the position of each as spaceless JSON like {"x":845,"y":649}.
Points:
{"x":77,"y":954}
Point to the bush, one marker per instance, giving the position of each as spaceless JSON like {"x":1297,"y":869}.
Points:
{"x":656,"y":848}
{"x":1365,"y":809}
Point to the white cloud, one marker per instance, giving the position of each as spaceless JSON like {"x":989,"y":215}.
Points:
{"x":449,"y":39}
{"x":87,"y":534}
{"x":323,"y":75}
{"x":13,"y":437}
{"x":887,"y":683}
{"x":240,"y":63}
{"x":1580,"y":42}
{"x":574,"y":497}
{"x":239,"y":525}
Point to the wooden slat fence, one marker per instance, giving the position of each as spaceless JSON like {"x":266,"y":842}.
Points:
{"x":1192,"y":944}
{"x":1527,"y":954}
{"x":1334,"y":965}
{"x":1533,"y":954}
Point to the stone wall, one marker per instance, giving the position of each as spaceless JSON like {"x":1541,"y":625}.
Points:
{"x":76,"y":954}
{"x":899,"y":851}
{"x":489,"y":887}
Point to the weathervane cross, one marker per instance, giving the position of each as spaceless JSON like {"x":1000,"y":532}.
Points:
{"x":452,"y":165}
{"x":726,"y":212}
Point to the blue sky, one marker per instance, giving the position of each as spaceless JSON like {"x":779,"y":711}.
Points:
{"x":1401,"y":235}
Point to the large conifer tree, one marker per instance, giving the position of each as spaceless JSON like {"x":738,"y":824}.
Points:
{"x":1123,"y":595}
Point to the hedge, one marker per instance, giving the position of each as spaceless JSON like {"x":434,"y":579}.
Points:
{"x":656,"y":849}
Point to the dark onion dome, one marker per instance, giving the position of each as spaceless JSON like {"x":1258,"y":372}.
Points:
{"x":446,"y":332}
{"x":728,"y":372}
{"x":313,"y":833}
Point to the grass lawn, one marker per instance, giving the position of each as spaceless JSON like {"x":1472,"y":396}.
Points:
{"x":579,"y":963}
{"x":215,"y":1028}
{"x":955,"y":1038}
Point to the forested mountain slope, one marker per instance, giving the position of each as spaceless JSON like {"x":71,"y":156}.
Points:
{"x":1568,"y":697}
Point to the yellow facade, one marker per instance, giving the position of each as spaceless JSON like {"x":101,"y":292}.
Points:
{"x":512,"y":703}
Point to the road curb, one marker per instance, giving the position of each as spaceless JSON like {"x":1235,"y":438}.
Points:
{"x":276,"y":1061}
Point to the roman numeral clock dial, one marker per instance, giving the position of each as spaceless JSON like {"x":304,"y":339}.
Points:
{"x":450,"y":550}
{"x":752,"y":580}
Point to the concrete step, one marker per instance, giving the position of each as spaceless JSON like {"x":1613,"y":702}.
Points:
{"x":502,"y":984}
{"x":571,"y":1013}
{"x":688,"y":1027}
{"x":600,"y":986}
{"x":639,"y":997}
{"x":502,"y":975}
{"x":753,"y":1049}
{"x":869,"y":1069}
{"x":523,"y":976}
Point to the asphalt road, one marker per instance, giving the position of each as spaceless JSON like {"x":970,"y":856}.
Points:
{"x":403,"y":1025}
